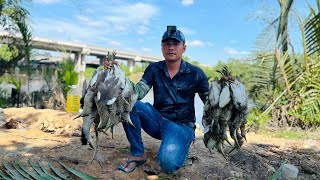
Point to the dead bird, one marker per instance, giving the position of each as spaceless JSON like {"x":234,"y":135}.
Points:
{"x":226,"y":108}
{"x":107,"y":100}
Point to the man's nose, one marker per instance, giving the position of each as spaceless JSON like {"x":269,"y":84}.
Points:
{"x":170,"y":45}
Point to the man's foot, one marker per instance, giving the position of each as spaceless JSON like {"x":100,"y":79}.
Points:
{"x":131,"y":163}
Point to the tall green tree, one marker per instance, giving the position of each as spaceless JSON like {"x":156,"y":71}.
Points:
{"x":14,"y":20}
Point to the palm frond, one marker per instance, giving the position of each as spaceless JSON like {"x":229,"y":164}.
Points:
{"x":16,"y":170}
{"x":309,"y":91}
{"x":284,"y":73}
{"x":312,"y":34}
{"x":283,"y":93}
{"x":260,"y":85}
{"x":266,"y":40}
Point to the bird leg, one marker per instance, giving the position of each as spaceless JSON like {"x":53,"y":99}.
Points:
{"x":238,"y":139}
{"x":235,"y":138}
{"x":243,"y":131}
{"x":85,"y":131}
{"x":220,"y":149}
{"x":96,"y":154}
{"x":224,"y":135}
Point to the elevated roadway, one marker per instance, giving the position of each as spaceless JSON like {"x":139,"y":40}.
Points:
{"x":82,"y":50}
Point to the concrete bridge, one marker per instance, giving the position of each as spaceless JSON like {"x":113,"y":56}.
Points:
{"x":82,"y":50}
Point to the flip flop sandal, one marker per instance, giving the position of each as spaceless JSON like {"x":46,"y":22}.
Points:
{"x":137,"y":163}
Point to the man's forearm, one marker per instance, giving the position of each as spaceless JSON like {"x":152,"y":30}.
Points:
{"x":141,"y":89}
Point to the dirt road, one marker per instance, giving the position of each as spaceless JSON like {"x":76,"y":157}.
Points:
{"x":45,"y":135}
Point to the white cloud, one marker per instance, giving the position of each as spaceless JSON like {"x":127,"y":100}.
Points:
{"x":233,"y":42}
{"x":209,"y":44}
{"x":146,"y":49}
{"x":91,"y":27}
{"x":117,"y":17}
{"x":186,"y":31}
{"x":105,"y":25}
{"x":90,"y":22}
{"x":89,"y":10}
{"x":129,"y":49}
{"x":46,"y":1}
{"x":187,"y":2}
{"x":131,"y":17}
{"x":140,"y":40}
{"x":199,"y":43}
{"x":66,"y":30}
{"x":142,"y":29}
{"x":235,"y":52}
{"x":196,"y":43}
{"x":114,"y":43}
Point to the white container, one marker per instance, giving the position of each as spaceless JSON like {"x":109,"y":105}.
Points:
{"x":289,"y":172}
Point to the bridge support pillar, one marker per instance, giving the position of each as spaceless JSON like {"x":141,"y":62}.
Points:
{"x":130,"y":64}
{"x":101,"y":60}
{"x":80,"y":62}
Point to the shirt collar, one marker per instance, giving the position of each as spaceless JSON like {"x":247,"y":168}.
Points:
{"x":184,"y":67}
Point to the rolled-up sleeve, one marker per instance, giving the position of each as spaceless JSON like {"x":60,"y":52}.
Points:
{"x":202,"y":85}
{"x":145,"y":84}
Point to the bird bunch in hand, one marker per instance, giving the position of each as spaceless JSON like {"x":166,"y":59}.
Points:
{"x":226,"y":108}
{"x":106,"y":100}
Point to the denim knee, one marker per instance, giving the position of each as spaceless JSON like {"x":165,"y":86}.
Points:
{"x":170,"y":162}
{"x":140,"y":106}
{"x":137,"y":106}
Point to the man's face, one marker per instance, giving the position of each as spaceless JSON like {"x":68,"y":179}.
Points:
{"x":172,"y":49}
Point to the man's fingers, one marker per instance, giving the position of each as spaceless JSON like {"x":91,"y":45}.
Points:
{"x":107,"y":64}
{"x":114,"y":62}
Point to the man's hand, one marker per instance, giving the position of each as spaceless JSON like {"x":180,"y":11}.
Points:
{"x":108,"y":64}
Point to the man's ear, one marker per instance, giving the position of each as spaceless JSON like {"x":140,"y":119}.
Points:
{"x":184,"y":48}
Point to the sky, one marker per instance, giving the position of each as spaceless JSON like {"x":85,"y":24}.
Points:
{"x":214,"y":30}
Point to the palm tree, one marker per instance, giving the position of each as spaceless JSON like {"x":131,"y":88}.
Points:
{"x":282,"y":34}
{"x":286,"y":75}
{"x":269,"y":59}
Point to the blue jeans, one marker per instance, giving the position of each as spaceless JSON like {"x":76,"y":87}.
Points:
{"x":176,"y":138}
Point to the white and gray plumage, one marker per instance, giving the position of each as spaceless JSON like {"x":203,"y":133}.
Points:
{"x":224,"y":97}
{"x":239,"y":95}
{"x":107,"y":100}
{"x":226,"y":108}
{"x":214,"y":93}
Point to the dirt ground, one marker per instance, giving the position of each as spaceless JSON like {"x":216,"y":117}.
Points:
{"x":50,"y":135}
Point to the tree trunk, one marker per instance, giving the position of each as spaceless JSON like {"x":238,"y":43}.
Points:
{"x":5,"y":65}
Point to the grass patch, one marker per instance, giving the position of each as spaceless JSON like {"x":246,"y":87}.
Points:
{"x":293,"y":134}
{"x":168,"y":176}
{"x":123,"y":150}
{"x":89,"y":72}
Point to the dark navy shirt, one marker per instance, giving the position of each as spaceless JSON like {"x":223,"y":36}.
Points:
{"x":174,"y":98}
